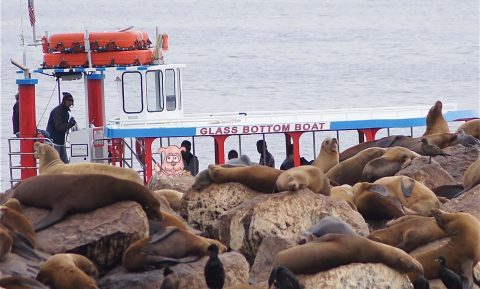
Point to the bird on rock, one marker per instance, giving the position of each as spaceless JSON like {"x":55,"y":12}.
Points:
{"x":467,"y":140}
{"x":431,"y":150}
{"x":214,"y":271}
{"x":421,"y":283}
{"x":450,"y":279}
{"x":283,"y":278}
{"x":170,"y":279}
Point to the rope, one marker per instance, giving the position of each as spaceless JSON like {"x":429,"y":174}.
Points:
{"x":21,"y":18}
{"x":48,"y":103}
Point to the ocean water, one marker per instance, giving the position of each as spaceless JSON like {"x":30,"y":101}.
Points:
{"x":269,"y":55}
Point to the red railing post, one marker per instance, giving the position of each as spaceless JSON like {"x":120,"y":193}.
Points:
{"x":296,"y":146}
{"x":220,"y":148}
{"x":96,"y":113}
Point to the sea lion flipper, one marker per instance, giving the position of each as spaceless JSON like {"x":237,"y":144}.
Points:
{"x":161,"y":262}
{"x":407,"y":188}
{"x":379,"y":189}
{"x":162,"y":234}
{"x":52,"y":218}
{"x":22,"y":246}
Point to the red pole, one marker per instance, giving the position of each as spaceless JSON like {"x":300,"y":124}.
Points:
{"x":28,"y":126}
{"x":96,"y":115}
{"x":148,"y":159}
{"x":220,"y":148}
{"x":296,"y":146}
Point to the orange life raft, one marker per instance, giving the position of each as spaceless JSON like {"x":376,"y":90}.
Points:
{"x":99,"y":59}
{"x":99,"y":41}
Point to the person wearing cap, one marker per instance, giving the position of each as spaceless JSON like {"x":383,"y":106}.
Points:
{"x":59,"y":123}
{"x":16,"y":117}
{"x":190,"y":162}
{"x":266,"y":158}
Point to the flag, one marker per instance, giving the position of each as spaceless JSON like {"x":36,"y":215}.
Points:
{"x":31,"y":12}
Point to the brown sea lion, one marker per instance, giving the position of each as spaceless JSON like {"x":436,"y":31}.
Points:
{"x":16,"y":222}
{"x":50,"y":163}
{"x":462,"y":251}
{"x":408,"y":232}
{"x":435,"y":121}
{"x":471,"y":127}
{"x":415,"y":197}
{"x":68,"y":271}
{"x":328,"y":156}
{"x":66,"y":194}
{"x":302,"y":177}
{"x":343,"y":192}
{"x":20,"y":282}
{"x":471,"y":177}
{"x":350,"y":171}
{"x":334,"y":250}
{"x":6,"y":243}
{"x":173,"y":197}
{"x":257,"y":177}
{"x":374,"y":202}
{"x":168,"y":247}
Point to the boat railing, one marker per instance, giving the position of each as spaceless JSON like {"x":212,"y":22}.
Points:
{"x":14,"y":156}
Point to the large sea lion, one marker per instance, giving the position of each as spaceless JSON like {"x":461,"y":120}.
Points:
{"x":17,"y":223}
{"x":257,"y":177}
{"x":66,"y":194}
{"x":471,"y":177}
{"x":350,"y":171}
{"x":343,"y":192}
{"x":408,"y":232}
{"x":302,"y":177}
{"x":374,"y":202}
{"x":393,"y":160}
{"x":168,"y":247}
{"x":328,"y":156}
{"x":173,"y":197}
{"x":471,"y":127}
{"x":50,"y":163}
{"x":333,"y":250}
{"x":415,"y":197}
{"x":435,"y":121}
{"x":384,"y":142}
{"x":68,"y":271}
{"x":327,"y":225}
{"x":462,"y":251}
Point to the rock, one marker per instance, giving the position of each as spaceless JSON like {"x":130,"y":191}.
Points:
{"x":182,"y":183}
{"x":101,"y":235}
{"x":190,"y":275}
{"x":357,"y":276}
{"x":432,"y":175}
{"x":14,"y":264}
{"x":458,"y":162}
{"x":262,"y":266}
{"x":202,"y":208}
{"x":468,"y":202}
{"x":283,"y":214}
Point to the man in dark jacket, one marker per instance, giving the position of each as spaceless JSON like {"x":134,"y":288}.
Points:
{"x":59,"y":123}
{"x":16,"y":117}
{"x":266,"y":158}
{"x":190,"y":162}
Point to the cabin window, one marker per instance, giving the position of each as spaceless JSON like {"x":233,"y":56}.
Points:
{"x":179,"y":83}
{"x":132,"y":92}
{"x":155,"y":91}
{"x":171,"y":101}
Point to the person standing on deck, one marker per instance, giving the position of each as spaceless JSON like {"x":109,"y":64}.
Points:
{"x":266,"y":157}
{"x":59,"y":123}
{"x":190,"y":162}
{"x":16,"y":117}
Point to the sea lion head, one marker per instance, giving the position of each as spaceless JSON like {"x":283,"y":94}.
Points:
{"x":297,"y":182}
{"x":455,"y":223}
{"x":330,"y":145}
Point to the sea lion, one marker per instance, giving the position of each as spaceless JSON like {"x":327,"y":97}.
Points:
{"x":343,"y":192}
{"x":326,"y":225}
{"x":20,"y":282}
{"x":302,"y":177}
{"x":435,"y":121}
{"x":462,"y":251}
{"x":415,"y":197}
{"x":471,"y":127}
{"x":328,"y":156}
{"x":68,"y":271}
{"x":333,"y":250}
{"x":257,"y":177}
{"x":408,"y":232}
{"x":471,"y":177}
{"x":374,"y":202}
{"x":14,"y":204}
{"x":350,"y":171}
{"x":393,"y":160}
{"x":167,"y":247}
{"x":6,"y":243}
{"x":66,"y":194}
{"x":50,"y":163}
{"x":16,"y":222}
{"x":384,"y":142}
{"x":173,"y":197}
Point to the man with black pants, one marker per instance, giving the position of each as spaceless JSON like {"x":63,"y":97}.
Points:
{"x":59,"y":123}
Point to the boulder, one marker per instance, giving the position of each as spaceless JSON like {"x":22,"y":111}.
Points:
{"x":181,"y":183}
{"x":202,"y":208}
{"x":283,"y":214}
{"x":101,"y":235}
{"x":263,"y":264}
{"x":14,"y":264}
{"x":357,"y":276}
{"x":468,"y":202}
{"x":190,"y":275}
{"x":458,"y":162}
{"x":432,"y":175}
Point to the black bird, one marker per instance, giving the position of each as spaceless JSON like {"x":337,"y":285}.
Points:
{"x":214,"y":271}
{"x":431,"y":150}
{"x":421,"y":283}
{"x":170,"y":279}
{"x":450,"y":279}
{"x":467,"y":140}
{"x":283,"y":278}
